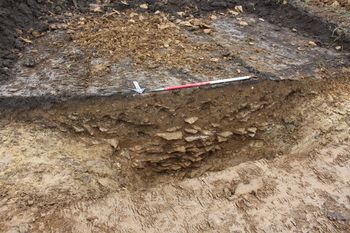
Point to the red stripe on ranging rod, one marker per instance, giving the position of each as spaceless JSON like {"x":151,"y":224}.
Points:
{"x":228,"y":80}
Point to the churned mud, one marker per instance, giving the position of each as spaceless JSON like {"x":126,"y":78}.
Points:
{"x":80,"y":151}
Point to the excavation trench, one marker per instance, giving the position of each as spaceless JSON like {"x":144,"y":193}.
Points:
{"x":147,"y":140}
{"x":77,"y":142}
{"x":70,"y":101}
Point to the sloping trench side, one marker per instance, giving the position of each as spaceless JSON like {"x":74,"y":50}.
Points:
{"x":184,"y":133}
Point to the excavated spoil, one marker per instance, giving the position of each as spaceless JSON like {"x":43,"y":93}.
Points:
{"x":25,"y":21}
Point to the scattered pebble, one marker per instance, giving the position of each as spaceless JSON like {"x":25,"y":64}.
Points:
{"x":312,"y":43}
{"x":239,"y":9}
{"x":242,"y":23}
{"x":144,"y":6}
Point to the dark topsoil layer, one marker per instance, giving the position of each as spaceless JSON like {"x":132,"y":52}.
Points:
{"x":27,"y":14}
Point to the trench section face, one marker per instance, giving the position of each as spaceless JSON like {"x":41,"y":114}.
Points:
{"x":181,"y":134}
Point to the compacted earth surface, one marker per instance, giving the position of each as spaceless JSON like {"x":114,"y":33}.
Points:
{"x":80,"y":151}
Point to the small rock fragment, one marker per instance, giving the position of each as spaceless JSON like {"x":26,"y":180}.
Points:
{"x":252,"y":130}
{"x":257,"y":144}
{"x":36,"y":34}
{"x":195,"y":138}
{"x":312,"y":43}
{"x":173,"y":129}
{"x":171,"y":136}
{"x":181,"y":13}
{"x":89,"y":129}
{"x":26,"y":40}
{"x":180,"y":149}
{"x":338,"y":48}
{"x":197,"y":127}
{"x":207,"y":132}
{"x":191,"y":120}
{"x":144,"y":6}
{"x":240,"y":131}
{"x":95,"y":7}
{"x":239,"y":9}
{"x":222,"y":139}
{"x":235,"y":13}
{"x":78,"y":129}
{"x":113,"y":142}
{"x":191,"y":131}
{"x":242,"y":23}
{"x":30,"y":202}
{"x":207,"y":31}
{"x":103,"y":129}
{"x":225,"y":134}
{"x":335,"y":4}
{"x":213,"y":17}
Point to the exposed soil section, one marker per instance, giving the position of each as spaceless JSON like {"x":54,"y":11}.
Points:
{"x":80,"y":151}
{"x":71,"y":157}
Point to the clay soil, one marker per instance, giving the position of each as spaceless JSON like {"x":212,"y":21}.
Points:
{"x":80,"y":151}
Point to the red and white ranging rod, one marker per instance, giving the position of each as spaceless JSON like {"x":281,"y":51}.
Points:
{"x":199,"y":84}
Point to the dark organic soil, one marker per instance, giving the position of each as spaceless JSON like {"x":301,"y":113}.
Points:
{"x":21,"y":15}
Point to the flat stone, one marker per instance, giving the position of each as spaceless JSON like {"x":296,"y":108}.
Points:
{"x":191,"y":131}
{"x":240,"y":131}
{"x":180,"y":149}
{"x":191,"y":120}
{"x":173,"y":129}
{"x":222,"y":139}
{"x":195,"y":138}
{"x":225,"y":134}
{"x":171,"y":136}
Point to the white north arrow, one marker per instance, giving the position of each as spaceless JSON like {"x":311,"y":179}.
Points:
{"x":138,"y":89}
